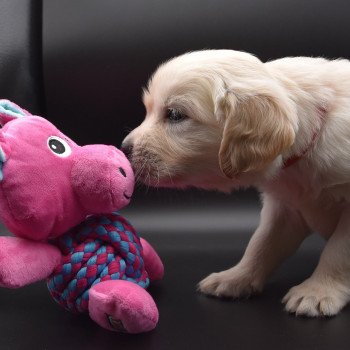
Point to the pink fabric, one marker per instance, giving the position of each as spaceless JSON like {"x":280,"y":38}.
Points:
{"x":122,"y":306}
{"x":23,"y":261}
{"x":154,"y":265}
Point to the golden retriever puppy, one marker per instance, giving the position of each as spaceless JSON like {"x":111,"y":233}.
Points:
{"x":222,"y":119}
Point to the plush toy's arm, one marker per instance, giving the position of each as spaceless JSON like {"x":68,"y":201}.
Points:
{"x":153,"y":264}
{"x":23,"y":261}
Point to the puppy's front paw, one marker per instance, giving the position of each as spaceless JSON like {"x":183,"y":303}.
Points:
{"x":314,"y":298}
{"x":232,"y":283}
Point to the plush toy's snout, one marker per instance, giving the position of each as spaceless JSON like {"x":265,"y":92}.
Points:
{"x":102,"y":178}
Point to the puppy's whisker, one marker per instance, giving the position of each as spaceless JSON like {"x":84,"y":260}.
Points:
{"x":139,"y":171}
{"x":127,"y":130}
{"x":148,"y":179}
{"x":169,"y":174}
{"x":158,"y":177}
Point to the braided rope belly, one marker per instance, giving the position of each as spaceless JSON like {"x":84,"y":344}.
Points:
{"x":99,"y":249}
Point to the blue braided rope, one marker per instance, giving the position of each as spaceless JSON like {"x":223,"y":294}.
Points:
{"x":101,"y":248}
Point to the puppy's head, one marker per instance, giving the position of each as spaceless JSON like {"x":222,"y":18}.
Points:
{"x":213,"y":118}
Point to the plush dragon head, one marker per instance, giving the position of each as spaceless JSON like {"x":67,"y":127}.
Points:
{"x":48,"y":183}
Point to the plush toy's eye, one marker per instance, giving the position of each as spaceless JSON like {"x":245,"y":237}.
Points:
{"x":59,"y":146}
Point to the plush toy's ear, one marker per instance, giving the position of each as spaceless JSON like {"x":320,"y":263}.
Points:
{"x":10,"y":111}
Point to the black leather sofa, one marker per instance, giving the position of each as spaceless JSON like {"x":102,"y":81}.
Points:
{"x":82,"y":64}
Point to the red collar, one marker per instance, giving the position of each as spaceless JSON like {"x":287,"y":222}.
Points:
{"x":296,"y":157}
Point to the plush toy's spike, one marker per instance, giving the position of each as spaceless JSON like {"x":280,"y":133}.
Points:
{"x":2,"y":155}
{"x":3,"y":149}
{"x":10,"y":111}
{"x":1,"y":173}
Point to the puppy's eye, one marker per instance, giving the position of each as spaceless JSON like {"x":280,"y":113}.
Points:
{"x":175,"y":116}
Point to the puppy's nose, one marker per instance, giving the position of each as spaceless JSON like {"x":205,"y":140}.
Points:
{"x":127,"y":149}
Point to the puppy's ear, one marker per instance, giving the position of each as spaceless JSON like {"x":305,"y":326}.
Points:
{"x":257,"y":128}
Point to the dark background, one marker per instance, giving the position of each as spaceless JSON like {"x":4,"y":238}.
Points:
{"x":99,"y":54}
{"x":82,"y":64}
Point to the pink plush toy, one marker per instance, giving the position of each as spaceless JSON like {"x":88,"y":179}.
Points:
{"x":52,"y":197}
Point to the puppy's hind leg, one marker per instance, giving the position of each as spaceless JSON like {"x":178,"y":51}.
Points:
{"x":327,"y":291}
{"x":280,"y":232}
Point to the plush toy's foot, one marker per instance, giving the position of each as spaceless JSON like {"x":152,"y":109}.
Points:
{"x":122,"y":306}
{"x":153,"y":264}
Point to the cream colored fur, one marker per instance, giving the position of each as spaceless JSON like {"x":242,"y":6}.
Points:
{"x":245,"y":119}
